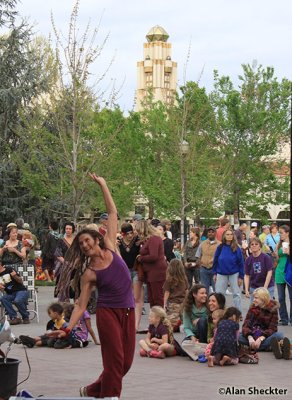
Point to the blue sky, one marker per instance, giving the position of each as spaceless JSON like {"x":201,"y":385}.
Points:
{"x":221,"y":34}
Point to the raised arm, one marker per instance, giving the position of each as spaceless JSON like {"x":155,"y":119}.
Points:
{"x":112,"y":224}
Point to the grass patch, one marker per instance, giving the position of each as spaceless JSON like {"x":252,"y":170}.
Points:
{"x":44,"y":283}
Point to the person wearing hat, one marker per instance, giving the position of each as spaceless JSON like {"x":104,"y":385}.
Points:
{"x":137,"y":217}
{"x":14,"y":293}
{"x":103,"y":219}
{"x":205,"y":256}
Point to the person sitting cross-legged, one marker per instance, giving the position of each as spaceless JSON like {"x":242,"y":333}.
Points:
{"x":261,"y":322}
{"x":14,"y":293}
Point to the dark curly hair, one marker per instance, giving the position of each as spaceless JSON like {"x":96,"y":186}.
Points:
{"x":189,"y":299}
{"x":75,"y":264}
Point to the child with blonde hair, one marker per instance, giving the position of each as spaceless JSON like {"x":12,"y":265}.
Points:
{"x":217,"y":316}
{"x":225,"y":348}
{"x":159,"y":342}
{"x":175,"y":288}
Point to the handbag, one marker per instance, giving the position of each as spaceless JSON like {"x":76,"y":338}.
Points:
{"x":138,"y":267}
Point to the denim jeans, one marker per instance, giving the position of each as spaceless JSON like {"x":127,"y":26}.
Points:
{"x":207,"y":280}
{"x":266,"y":344}
{"x":202,"y":330}
{"x":222,"y":284}
{"x":281,"y":287}
{"x":270,"y":289}
{"x":19,"y":299}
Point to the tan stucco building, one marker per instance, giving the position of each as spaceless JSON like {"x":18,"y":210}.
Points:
{"x":157,"y":73}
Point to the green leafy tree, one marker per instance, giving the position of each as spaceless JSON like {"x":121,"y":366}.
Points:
{"x":164,"y":171}
{"x":22,"y":79}
{"x":251,"y":121}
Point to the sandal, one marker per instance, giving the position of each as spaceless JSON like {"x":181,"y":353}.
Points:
{"x":83,"y":391}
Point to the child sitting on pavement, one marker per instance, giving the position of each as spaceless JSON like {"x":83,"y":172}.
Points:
{"x":83,"y":327}
{"x":159,"y":342}
{"x":225,"y":348}
{"x":56,"y":313}
{"x":217,"y":316}
{"x":282,"y":348}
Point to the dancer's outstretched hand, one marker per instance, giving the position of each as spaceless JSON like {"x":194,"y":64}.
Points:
{"x":98,"y":179}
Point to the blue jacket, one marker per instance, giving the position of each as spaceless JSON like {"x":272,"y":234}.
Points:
{"x":227,"y":262}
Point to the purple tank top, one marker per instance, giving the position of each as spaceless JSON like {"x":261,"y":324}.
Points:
{"x":114,"y":285}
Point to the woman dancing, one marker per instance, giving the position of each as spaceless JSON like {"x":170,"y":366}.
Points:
{"x":97,"y":265}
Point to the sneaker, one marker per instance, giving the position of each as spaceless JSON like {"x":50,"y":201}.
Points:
{"x":15,"y":321}
{"x":286,"y":348}
{"x":276,"y":349}
{"x":26,"y":321}
{"x":283,"y":323}
{"x":27,"y":341}
{"x":202,"y":358}
{"x":156,"y":354}
{"x":228,"y":292}
{"x":143,"y":353}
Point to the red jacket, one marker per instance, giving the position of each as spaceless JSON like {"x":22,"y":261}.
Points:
{"x":265,"y":319}
{"x":153,"y":259}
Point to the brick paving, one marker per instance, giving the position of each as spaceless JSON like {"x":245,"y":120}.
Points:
{"x":58,"y":373}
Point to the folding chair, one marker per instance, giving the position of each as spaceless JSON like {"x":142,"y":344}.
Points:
{"x":26,"y":271}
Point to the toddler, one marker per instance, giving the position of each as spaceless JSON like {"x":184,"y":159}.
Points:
{"x":217,"y":316}
{"x":82,"y":328}
{"x":56,"y":313}
{"x":225,"y":347}
{"x":159,"y":342}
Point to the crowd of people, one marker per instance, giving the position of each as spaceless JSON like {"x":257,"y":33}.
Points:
{"x":185,"y":286}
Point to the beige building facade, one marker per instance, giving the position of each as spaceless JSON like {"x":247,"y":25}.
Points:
{"x":157,"y":73}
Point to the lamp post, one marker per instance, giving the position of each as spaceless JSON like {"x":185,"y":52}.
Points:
{"x":184,"y":150}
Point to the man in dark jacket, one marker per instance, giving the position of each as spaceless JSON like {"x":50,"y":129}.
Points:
{"x":15,"y":293}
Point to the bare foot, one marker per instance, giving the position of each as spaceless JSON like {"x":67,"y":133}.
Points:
{"x":210,"y":361}
{"x":224,"y":360}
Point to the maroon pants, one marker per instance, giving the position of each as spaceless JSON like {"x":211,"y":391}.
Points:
{"x":155,"y":293}
{"x":117,"y":335}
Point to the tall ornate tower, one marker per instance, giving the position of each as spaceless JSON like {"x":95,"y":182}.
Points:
{"x":157,"y":71}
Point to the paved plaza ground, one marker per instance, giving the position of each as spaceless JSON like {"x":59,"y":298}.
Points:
{"x":58,"y":373}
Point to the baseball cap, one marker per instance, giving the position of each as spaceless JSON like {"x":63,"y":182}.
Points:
{"x":137,"y":217}
{"x":211,"y":228}
{"x":12,"y":225}
{"x":254,"y":224}
{"x":104,"y":216}
{"x":26,"y":226}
